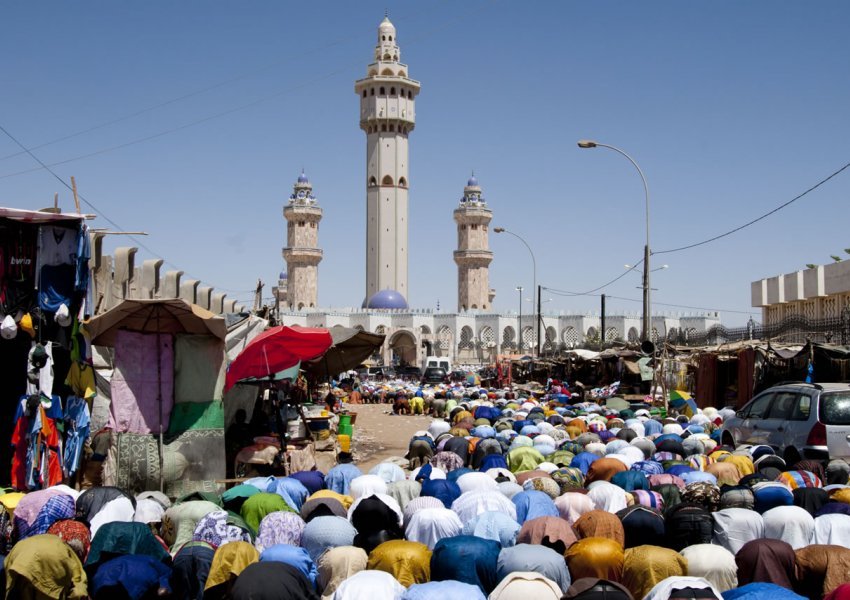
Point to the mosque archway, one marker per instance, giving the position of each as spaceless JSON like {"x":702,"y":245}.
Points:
{"x":612,"y":334}
{"x":444,"y":341}
{"x":570,"y":336}
{"x":634,"y":336}
{"x":592,"y":333}
{"x":403,"y":348}
{"x":551,"y":339}
{"x":528,"y":342}
{"x":508,"y":338}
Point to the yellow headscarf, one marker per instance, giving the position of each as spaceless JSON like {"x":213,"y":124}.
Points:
{"x":408,"y":562}
{"x":229,"y":561}
{"x":346,"y":501}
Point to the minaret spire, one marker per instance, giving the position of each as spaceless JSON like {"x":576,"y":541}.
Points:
{"x":387,"y":116}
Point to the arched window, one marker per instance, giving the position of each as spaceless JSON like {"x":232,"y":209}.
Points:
{"x":392,"y":127}
{"x":474,"y":307}
{"x":391,"y":38}
{"x":633,"y":335}
{"x":410,"y":94}
{"x":372,"y":92}
{"x":466,"y":339}
{"x":508,"y":336}
{"x":570,"y":336}
{"x":364,"y":93}
{"x":392,"y":91}
{"x":387,"y":57}
{"x":384,"y":127}
{"x":372,"y":181}
{"x":402,"y":182}
{"x":387,"y":180}
{"x":387,"y":73}
{"x":382,"y":91}
{"x":402,"y":74}
{"x":383,"y":38}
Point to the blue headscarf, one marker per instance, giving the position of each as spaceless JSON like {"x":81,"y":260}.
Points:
{"x":493,"y":461}
{"x":291,"y":490}
{"x":443,"y":490}
{"x":339,"y":478}
{"x":583,"y":460}
{"x":532,"y":504}
{"x":445,"y":590}
{"x":294,"y":557}
{"x":137,"y":574}
{"x":493,"y":525}
{"x":631,"y":480}
{"x":467,"y":559}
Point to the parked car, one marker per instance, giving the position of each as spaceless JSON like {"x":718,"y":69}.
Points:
{"x":381,"y":373}
{"x":435,"y":375}
{"x":799,"y":420}
{"x":411,"y":373}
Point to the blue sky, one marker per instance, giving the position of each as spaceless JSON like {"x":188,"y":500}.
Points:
{"x":730,"y":108}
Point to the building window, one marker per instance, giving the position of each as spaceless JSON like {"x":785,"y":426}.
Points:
{"x":364,"y":93}
{"x":473,"y":226}
{"x":392,"y":91}
{"x":301,"y":223}
{"x":410,"y":94}
{"x":312,"y":225}
{"x":382,"y":91}
{"x":372,"y":92}
{"x":383,"y":38}
{"x":384,"y":127}
{"x":387,"y":180}
{"x":402,"y":182}
{"x":392,"y":127}
{"x":373,"y":181}
{"x":391,"y":38}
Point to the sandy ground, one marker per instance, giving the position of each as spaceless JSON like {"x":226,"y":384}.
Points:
{"x":379,"y":435}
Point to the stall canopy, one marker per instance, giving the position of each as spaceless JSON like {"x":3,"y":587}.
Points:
{"x":350,"y":348}
{"x":154,"y":316}
{"x":276,"y":350}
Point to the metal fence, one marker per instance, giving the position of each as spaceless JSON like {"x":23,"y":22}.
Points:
{"x":791,"y":330}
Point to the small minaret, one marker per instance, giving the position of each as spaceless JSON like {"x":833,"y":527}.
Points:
{"x":302,"y":253}
{"x":387,"y":116}
{"x":473,"y":255}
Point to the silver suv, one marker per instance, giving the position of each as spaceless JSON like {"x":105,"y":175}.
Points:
{"x":799,"y":420}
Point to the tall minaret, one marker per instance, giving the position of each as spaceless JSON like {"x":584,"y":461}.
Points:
{"x":302,"y":253}
{"x":387,"y":115}
{"x":473,"y":253}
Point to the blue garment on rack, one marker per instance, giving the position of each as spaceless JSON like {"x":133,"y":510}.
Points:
{"x":77,"y":428}
{"x":81,"y":280}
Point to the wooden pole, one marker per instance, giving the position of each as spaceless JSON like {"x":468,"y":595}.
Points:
{"x":56,"y":200}
{"x":76,"y":198}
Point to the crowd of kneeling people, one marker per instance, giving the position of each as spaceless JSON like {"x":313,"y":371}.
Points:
{"x":504,"y":498}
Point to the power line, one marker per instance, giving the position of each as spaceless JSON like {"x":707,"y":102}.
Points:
{"x":756,"y":220}
{"x":728,"y":310}
{"x":558,"y":292}
{"x":136,"y":240}
{"x":239,"y":108}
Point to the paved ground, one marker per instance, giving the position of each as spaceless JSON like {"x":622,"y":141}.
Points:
{"x":379,"y":435}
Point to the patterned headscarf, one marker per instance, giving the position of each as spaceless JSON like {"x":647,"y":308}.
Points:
{"x":218,"y":529}
{"x":279,"y":528}
{"x":57,"y":508}
{"x":703,"y":493}
{"x":75,"y":534}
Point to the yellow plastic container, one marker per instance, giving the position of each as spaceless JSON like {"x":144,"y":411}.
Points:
{"x":344,"y":442}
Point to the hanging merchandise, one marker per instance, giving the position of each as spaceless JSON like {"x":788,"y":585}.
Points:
{"x":17,"y":269}
{"x":81,"y":281}
{"x":35,"y":440}
{"x":81,"y":380}
{"x":40,"y":374}
{"x":26,"y":325}
{"x":8,"y":329}
{"x":77,"y":420}
{"x":57,"y":246}
{"x":63,"y":315}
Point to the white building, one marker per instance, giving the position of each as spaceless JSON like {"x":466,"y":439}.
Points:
{"x":474,"y":334}
{"x":302,"y":253}
{"x":821,"y":292}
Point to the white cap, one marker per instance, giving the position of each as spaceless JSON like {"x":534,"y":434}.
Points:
{"x":9,"y":328}
{"x":63,"y":316}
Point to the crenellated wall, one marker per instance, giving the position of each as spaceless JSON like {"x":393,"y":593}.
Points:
{"x":116,"y":278}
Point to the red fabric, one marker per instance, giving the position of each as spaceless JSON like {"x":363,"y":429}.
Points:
{"x":277,"y":349}
{"x":746,"y":376}
{"x":48,"y":436}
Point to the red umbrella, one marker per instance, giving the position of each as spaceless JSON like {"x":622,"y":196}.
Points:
{"x":276,"y":350}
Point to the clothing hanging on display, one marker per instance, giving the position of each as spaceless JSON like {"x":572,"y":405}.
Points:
{"x":36,"y":460}
{"x":77,"y":420}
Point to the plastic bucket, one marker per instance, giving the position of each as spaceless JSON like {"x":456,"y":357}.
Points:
{"x":344,"y":442}
{"x":345,"y":427}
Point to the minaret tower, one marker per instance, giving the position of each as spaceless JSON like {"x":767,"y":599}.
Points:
{"x":387,"y":115}
{"x":473,"y":255}
{"x":302,"y":254}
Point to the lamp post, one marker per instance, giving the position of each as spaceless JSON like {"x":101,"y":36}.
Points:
{"x":519,"y":325}
{"x":647,"y":322}
{"x":534,"y":275}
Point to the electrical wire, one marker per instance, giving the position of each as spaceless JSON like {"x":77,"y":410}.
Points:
{"x":239,"y":108}
{"x":757,"y":219}
{"x":558,"y":292}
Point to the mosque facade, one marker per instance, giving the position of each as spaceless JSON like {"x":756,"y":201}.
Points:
{"x":474,"y":334}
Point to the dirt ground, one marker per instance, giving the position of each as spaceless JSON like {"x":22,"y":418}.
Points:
{"x":379,"y":435}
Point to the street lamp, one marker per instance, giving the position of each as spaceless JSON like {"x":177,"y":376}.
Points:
{"x":647,"y":322}
{"x":519,"y":326}
{"x":534,"y":275}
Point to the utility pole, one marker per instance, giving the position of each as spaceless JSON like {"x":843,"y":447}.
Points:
{"x":539,"y":319}
{"x":602,"y":323}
